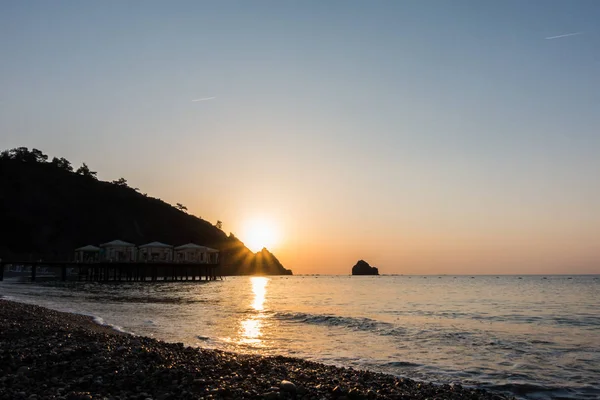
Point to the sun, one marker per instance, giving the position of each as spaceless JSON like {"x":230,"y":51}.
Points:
{"x":259,"y":233}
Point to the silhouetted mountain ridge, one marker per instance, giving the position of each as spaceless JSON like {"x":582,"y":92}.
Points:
{"x":47,"y":209}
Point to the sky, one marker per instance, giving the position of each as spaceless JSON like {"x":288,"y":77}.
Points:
{"x":425,"y":137}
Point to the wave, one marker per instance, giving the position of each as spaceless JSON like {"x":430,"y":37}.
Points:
{"x":383,"y":328}
{"x":534,"y":391}
{"x":401,"y":364}
{"x":117,"y":328}
{"x":581,"y":321}
{"x":352,"y":323}
{"x":95,"y":318}
{"x":355,"y":323}
{"x":433,"y":336}
{"x":100,"y":321}
{"x":568,"y":320}
{"x":138,"y":299}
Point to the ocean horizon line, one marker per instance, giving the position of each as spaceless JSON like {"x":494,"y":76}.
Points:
{"x":436,"y":275}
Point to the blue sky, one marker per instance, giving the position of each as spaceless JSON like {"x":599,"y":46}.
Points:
{"x":423,"y":136}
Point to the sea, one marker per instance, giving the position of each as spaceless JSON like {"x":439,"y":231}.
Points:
{"x":533,"y":337}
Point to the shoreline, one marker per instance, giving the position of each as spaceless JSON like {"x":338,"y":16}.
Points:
{"x":47,"y":354}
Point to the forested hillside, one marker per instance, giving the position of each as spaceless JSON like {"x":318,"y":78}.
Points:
{"x":48,"y":208}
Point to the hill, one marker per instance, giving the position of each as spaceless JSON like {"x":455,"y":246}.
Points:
{"x":47,"y":210}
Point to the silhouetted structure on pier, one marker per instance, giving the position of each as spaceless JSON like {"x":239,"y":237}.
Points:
{"x":102,"y":271}
{"x":119,"y":261}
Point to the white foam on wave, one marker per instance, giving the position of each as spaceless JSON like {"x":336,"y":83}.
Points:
{"x":97,"y":319}
{"x":100,"y":321}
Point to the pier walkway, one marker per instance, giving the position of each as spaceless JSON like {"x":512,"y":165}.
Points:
{"x":104,"y":271}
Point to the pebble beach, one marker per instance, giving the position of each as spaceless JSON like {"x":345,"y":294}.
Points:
{"x":45,"y":354}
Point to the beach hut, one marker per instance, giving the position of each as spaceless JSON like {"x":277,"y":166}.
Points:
{"x":118,"y":251}
{"x":212,"y":256}
{"x":192,"y":252}
{"x":87,"y":254}
{"x":155,"y":251}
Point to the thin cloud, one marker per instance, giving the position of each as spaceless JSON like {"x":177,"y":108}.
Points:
{"x":565,"y":35}
{"x":204,"y":99}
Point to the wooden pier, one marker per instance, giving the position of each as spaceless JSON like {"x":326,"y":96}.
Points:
{"x":103,"y":271}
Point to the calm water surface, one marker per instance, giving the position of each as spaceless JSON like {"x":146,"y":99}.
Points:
{"x":534,"y":337}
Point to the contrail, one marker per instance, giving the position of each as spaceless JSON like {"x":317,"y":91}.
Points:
{"x":204,"y":99}
{"x":565,"y":35}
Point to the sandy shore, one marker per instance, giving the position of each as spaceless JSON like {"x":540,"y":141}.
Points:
{"x":46,"y":354}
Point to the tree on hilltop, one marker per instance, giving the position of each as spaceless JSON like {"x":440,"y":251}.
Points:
{"x":120,"y":182}
{"x":24,"y":155}
{"x":181,"y":207}
{"x":62,"y":163}
{"x":84,"y":170}
{"x":39,"y":156}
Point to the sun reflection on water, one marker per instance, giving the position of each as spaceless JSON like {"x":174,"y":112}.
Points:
{"x":251,"y":331}
{"x":259,"y":288}
{"x":251,"y":328}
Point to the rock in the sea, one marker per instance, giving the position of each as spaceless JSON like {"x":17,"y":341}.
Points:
{"x":363,"y":268}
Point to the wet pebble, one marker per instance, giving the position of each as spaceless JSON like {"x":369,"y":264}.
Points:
{"x":287,"y":386}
